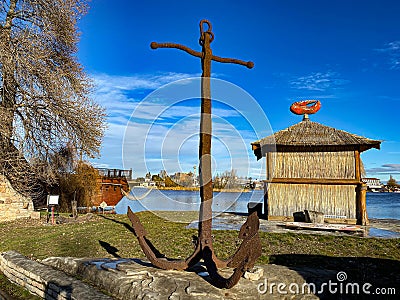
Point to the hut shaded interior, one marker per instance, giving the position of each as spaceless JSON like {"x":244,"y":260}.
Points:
{"x":315,"y":167}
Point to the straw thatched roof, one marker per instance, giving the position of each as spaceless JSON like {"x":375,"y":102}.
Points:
{"x":312,"y":136}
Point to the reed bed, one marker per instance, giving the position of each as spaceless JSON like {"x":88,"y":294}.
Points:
{"x":329,"y":165}
{"x":336,"y":200}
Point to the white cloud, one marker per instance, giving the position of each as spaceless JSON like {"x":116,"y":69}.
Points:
{"x":176,"y":148}
{"x":318,"y":81}
{"x":115,"y":93}
{"x":136,"y":82}
{"x":163,"y":134}
{"x":392,"y":50}
{"x":385,"y":169}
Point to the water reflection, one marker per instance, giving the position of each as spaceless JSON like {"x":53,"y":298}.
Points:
{"x":159,"y":200}
{"x":379,"y":205}
{"x":382,"y":233}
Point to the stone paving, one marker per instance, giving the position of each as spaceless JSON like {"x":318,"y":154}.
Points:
{"x":384,"y":228}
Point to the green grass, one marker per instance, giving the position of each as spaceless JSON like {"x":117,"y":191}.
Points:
{"x":38,"y":241}
{"x":16,"y":291}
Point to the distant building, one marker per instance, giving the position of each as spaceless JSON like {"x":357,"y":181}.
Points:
{"x":373,"y":184}
{"x":183,"y":179}
{"x":259,"y":185}
{"x":147,"y":177}
{"x":163,"y":174}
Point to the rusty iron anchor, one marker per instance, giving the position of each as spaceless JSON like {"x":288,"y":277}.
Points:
{"x":250,"y":248}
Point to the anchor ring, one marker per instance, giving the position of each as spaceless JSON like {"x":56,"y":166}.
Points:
{"x":202,"y":32}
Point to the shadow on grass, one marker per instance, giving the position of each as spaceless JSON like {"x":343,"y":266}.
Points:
{"x":347,"y":273}
{"x":126,"y":225}
{"x":110,"y":249}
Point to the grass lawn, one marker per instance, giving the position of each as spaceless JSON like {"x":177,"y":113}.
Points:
{"x":94,"y":238}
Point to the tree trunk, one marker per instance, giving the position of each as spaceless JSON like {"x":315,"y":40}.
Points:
{"x":9,"y":90}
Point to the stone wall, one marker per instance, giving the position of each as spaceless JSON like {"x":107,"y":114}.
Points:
{"x":44,"y":281}
{"x":13,"y":205}
{"x":136,"y":279}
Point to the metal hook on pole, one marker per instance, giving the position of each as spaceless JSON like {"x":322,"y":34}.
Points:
{"x":203,"y":33}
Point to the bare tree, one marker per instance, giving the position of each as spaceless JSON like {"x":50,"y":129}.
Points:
{"x":44,"y":102}
{"x":227,"y":180}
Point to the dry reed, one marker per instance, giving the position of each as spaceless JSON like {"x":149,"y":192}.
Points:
{"x":329,"y":165}
{"x":336,"y":200}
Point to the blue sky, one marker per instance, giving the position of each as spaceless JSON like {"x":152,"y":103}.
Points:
{"x":344,"y":53}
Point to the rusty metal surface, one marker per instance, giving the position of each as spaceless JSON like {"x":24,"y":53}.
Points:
{"x":250,"y":249}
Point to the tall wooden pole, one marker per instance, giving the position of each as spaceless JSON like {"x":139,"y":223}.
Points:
{"x":205,"y":174}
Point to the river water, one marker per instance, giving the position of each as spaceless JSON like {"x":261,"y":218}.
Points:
{"x":379,"y":205}
{"x":383,"y":205}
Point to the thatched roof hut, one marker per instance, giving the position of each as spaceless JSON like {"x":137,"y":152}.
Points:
{"x":311,"y":166}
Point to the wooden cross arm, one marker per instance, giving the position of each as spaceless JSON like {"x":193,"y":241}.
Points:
{"x":248,"y":64}
{"x":155,"y":45}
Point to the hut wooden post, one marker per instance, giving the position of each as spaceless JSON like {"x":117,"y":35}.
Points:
{"x":361,"y":195}
{"x":266,"y":199}
{"x":358,"y":165}
{"x":269,"y":165}
{"x":267,"y":182}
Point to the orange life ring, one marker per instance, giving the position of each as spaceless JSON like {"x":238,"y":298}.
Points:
{"x":305,"y":107}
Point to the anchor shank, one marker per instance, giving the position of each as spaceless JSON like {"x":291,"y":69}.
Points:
{"x":206,"y":189}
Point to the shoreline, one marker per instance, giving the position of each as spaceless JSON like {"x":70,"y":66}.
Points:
{"x":197,"y":189}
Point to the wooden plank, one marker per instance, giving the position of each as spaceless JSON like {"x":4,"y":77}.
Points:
{"x":325,"y":227}
{"x":280,"y":218}
{"x":340,"y":221}
{"x":327,"y":220}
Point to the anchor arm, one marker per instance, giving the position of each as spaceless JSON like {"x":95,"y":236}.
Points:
{"x":248,"y":64}
{"x":154,"y":256}
{"x":155,"y":45}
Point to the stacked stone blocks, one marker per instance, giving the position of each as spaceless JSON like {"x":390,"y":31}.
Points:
{"x":13,"y":205}
{"x":44,"y":281}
